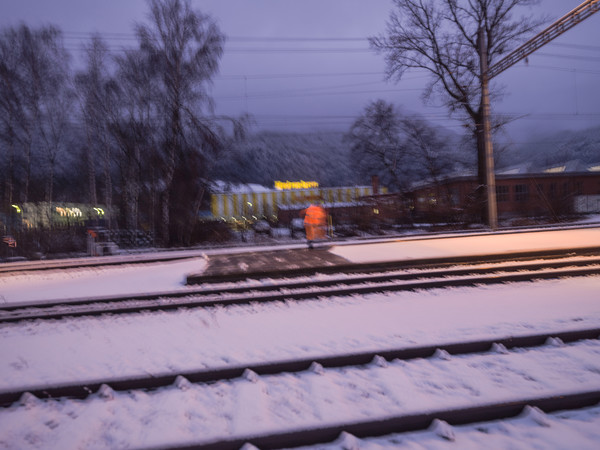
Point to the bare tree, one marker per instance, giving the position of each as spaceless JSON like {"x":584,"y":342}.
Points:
{"x":55,"y":106}
{"x":428,"y":148}
{"x":91,"y":86}
{"x":34,"y":78}
{"x":399,"y":148}
{"x":184,"y":48}
{"x":377,"y":146}
{"x":132,"y":115}
{"x":440,"y":37}
{"x":10,"y":113}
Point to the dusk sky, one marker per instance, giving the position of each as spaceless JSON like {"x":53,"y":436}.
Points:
{"x":298,"y":65}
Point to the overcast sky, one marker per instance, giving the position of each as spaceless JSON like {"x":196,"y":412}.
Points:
{"x":298,"y":64}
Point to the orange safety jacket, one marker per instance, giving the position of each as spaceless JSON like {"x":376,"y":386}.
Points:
{"x":315,"y":215}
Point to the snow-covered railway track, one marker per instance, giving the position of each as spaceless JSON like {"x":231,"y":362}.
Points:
{"x":339,"y":284}
{"x":156,"y":380}
{"x":345,"y":435}
{"x":370,"y":379}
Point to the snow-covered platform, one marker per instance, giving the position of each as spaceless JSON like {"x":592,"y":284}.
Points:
{"x":410,"y":251}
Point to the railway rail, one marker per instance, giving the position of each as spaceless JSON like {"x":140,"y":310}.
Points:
{"x":312,"y":435}
{"x":340,"y":284}
{"x":8,"y":268}
{"x":323,"y":435}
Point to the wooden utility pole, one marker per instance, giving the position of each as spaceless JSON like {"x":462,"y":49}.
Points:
{"x":490,"y":178}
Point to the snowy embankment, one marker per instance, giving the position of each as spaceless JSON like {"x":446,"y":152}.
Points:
{"x":44,"y":352}
{"x":471,"y":245}
{"x":93,"y":348}
{"x":109,"y":346}
{"x":97,"y":281}
{"x":253,"y":405}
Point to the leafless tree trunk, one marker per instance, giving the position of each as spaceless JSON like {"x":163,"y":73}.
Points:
{"x":132,"y":114}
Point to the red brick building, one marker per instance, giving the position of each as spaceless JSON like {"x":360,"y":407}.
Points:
{"x":565,"y":189}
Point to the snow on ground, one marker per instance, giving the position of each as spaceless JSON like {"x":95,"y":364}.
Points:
{"x":251,"y":405}
{"x":110,"y":346}
{"x":99,"y":347}
{"x":470,"y":245}
{"x":97,"y":281}
{"x":531,"y":430}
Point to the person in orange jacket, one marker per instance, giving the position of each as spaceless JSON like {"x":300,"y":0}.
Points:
{"x":315,"y":223}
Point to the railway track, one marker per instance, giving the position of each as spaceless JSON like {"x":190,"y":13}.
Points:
{"x":302,"y":391}
{"x":340,"y":284}
{"x":8,"y":268}
{"x":380,"y":427}
{"x":365,"y":366}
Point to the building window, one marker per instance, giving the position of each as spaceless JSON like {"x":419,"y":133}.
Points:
{"x":502,"y":193}
{"x":454,"y":195}
{"x":540,"y":189}
{"x":521,"y":192}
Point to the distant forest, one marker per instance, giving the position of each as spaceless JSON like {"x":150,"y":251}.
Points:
{"x":326,"y":157}
{"x":268,"y":156}
{"x":556,"y":148}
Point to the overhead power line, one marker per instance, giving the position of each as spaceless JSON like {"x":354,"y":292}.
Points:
{"x":288,"y":94}
{"x":295,"y":75}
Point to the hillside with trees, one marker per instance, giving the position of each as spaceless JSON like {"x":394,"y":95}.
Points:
{"x":559,"y":147}
{"x":264,"y":157}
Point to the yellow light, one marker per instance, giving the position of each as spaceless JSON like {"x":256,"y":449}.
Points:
{"x":99,"y":211}
{"x":17,"y":208}
{"x":375,"y":210}
{"x":286,"y":185}
{"x":74,"y":212}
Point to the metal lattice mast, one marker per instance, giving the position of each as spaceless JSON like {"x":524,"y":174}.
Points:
{"x":568,"y":21}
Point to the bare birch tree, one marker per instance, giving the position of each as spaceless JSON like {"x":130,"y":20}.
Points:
{"x":184,"y":48}
{"x":34,"y":94}
{"x":132,"y":116}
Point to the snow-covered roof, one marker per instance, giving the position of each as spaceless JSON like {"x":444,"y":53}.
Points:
{"x":572,"y":166}
{"x":567,"y":167}
{"x":220,"y":186}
